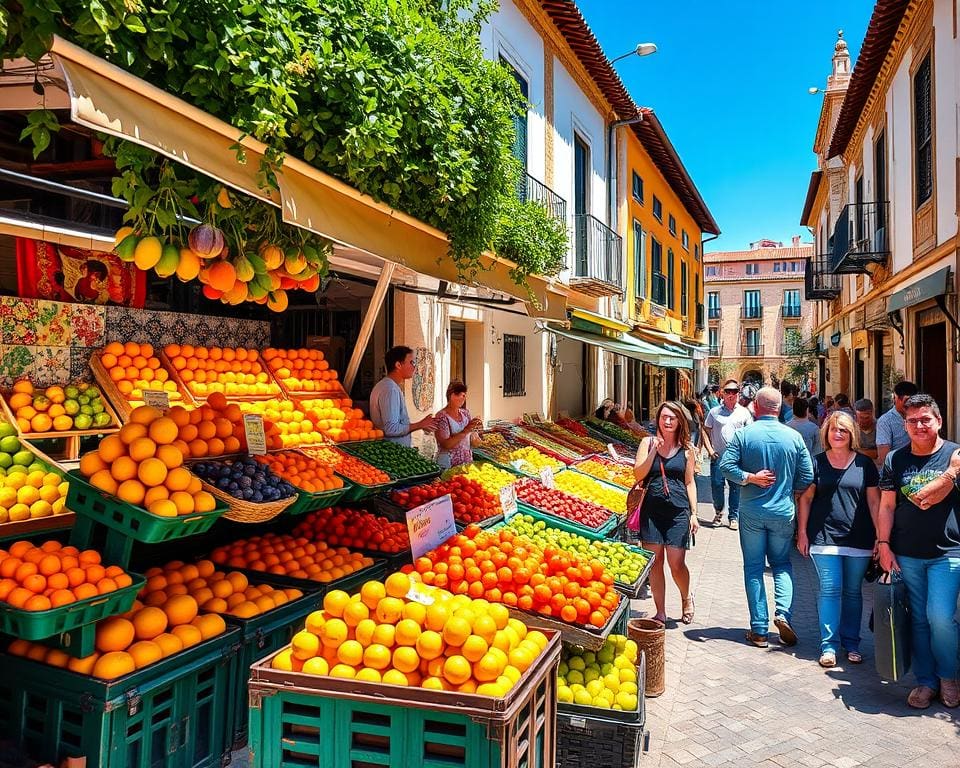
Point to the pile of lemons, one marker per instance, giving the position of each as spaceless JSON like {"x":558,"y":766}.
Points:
{"x":606,"y":678}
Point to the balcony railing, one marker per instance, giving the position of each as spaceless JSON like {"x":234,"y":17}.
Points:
{"x":751,"y":350}
{"x":713,"y":313}
{"x":699,"y":315}
{"x":714,"y":350}
{"x":819,"y":282}
{"x":529,"y":189}
{"x":860,"y":238}
{"x":751,"y":312}
{"x":597,"y":258}
{"x":658,"y":289}
{"x":790,"y":310}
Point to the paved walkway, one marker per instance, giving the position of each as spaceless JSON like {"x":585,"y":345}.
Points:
{"x":728,"y":703}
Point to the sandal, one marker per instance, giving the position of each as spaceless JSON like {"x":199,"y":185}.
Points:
{"x":921,"y":697}
{"x":718,"y":518}
{"x":854,"y":657}
{"x":688,"y":609}
{"x":828,"y":659}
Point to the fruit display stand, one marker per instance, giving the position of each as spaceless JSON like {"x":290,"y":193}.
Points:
{"x":39,"y":524}
{"x":612,"y":491}
{"x":604,"y":430}
{"x":583,"y":445}
{"x":292,"y":717}
{"x":380,"y":454}
{"x":605,"y":531}
{"x":605,"y":469}
{"x":586,"y":636}
{"x":264,"y":388}
{"x":309,"y":502}
{"x":483,"y":456}
{"x":124,"y":404}
{"x":176,"y":711}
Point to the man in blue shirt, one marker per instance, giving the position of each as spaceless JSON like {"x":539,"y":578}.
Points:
{"x":772,"y":463}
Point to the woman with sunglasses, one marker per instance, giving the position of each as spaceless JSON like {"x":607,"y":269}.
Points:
{"x":668,"y":514}
{"x":836,"y":520}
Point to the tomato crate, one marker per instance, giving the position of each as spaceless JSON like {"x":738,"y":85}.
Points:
{"x":260,"y":636}
{"x":299,"y":720}
{"x":588,"y":636}
{"x":172,"y":713}
{"x":308,"y":502}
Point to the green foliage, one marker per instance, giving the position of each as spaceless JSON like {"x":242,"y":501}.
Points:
{"x":41,"y":125}
{"x":531,"y":238}
{"x":801,"y":355}
{"x":393,"y":97}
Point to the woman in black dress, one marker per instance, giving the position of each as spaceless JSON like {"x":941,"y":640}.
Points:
{"x":668,"y":517}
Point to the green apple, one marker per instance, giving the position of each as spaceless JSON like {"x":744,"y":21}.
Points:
{"x":83,"y":421}
{"x":71,"y":393}
{"x":7,"y":429}
{"x":6,"y":460}
{"x":72,"y":407}
{"x":23,"y":458}
{"x":9,"y":444}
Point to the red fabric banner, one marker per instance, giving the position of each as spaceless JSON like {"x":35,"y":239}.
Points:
{"x":63,"y":273}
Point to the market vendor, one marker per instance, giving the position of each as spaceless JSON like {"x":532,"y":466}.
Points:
{"x":388,"y":407}
{"x":457,"y":430}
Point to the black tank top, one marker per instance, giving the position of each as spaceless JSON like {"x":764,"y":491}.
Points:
{"x":669,"y":488}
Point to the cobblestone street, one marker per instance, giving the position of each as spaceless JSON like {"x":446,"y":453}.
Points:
{"x":728,"y":703}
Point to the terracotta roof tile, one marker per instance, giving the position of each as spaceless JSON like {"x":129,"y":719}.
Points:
{"x":787,"y":253}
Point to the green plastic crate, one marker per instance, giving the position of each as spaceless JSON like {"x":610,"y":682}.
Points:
{"x":172,"y":713}
{"x":134,"y":522}
{"x":359,"y":492}
{"x":569,"y":525}
{"x":301,"y":721}
{"x":308,"y":502}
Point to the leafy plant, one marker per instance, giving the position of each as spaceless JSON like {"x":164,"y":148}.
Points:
{"x":801,"y":355}
{"x":534,"y":240}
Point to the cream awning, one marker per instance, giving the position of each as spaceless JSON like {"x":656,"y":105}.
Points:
{"x":628,"y":346}
{"x":109,"y":99}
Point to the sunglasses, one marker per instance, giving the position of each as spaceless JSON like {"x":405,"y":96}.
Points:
{"x":731,"y":391}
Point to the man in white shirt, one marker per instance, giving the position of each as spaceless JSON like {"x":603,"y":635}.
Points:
{"x":721,"y":424}
{"x":388,"y":407}
{"x":891,"y":431}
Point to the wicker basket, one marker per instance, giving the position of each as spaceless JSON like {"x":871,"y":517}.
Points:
{"x":248,"y":511}
{"x":649,"y":635}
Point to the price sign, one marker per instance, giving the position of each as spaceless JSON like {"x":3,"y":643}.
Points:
{"x":430,"y":524}
{"x":256,"y":436}
{"x":508,"y":501}
{"x":157,"y":399}
{"x":417,"y":595}
{"x":546,"y":477}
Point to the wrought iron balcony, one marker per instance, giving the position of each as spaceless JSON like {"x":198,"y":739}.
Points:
{"x":818,"y":281}
{"x":860,"y":238}
{"x":597,"y":258}
{"x":751,"y":350}
{"x":699,"y":315}
{"x":529,"y":189}
{"x":658,"y":289}
{"x":714,"y":350}
{"x":790,"y":310}
{"x":713,"y":313}
{"x":751,"y":312}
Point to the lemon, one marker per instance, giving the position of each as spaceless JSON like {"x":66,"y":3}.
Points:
{"x":8,"y":497}
{"x":41,"y":509}
{"x":583,"y":697}
{"x":564,"y":694}
{"x":18,"y":513}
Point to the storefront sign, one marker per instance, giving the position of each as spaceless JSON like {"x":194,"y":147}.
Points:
{"x":157,"y":399}
{"x":835,"y":339}
{"x":928,"y":288}
{"x":430,"y":524}
{"x":546,"y":477}
{"x":255,"y":433}
{"x":508,"y":501}
{"x":859,"y":340}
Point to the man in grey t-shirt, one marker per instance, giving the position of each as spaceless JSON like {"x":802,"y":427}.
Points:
{"x":866,"y":427}
{"x":807,"y":429}
{"x":721,"y":424}
{"x":388,"y":407}
{"x":891,"y":431}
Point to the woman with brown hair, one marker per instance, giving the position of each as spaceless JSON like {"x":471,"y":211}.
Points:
{"x":668,"y":515}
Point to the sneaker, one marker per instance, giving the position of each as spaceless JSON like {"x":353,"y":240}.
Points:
{"x":755,"y":638}
{"x":787,"y":635}
{"x":718,"y":517}
{"x":734,"y":524}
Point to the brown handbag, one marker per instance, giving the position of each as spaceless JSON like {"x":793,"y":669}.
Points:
{"x":636,"y":496}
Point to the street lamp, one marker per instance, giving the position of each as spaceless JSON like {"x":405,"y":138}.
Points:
{"x":642,"y":49}
{"x":814,"y":91}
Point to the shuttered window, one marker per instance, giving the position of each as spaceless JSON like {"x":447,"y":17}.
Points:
{"x":923,"y":131}
{"x":513,"y":366}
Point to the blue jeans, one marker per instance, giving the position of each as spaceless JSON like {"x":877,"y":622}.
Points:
{"x":840,"y":602}
{"x":933,"y":586}
{"x":717,"y":481}
{"x":767,"y":540}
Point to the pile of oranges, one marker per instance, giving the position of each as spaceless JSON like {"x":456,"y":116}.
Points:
{"x":135,"y":368}
{"x":214,"y":591}
{"x":236,"y":372}
{"x":503,"y":568}
{"x":294,"y":425}
{"x":52,"y":575}
{"x":302,"y":370}
{"x":307,"y":473}
{"x":340,"y":421}
{"x":379,"y":635}
{"x":354,"y":469}
{"x":288,"y":555}
{"x":141,"y":465}
{"x":344,"y":527}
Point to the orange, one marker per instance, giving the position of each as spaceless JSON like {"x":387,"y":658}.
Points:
{"x":377,"y":656}
{"x":114,"y":665}
{"x":177,"y":479}
{"x":183,"y":501}
{"x":114,"y":634}
{"x":335,"y":601}
{"x":149,"y":622}
{"x":204,"y":501}
{"x":57,"y":658}
{"x":91,"y":463}
{"x":145,"y":415}
{"x":350,"y":652}
{"x":389,"y":610}
{"x":38,"y":603}
{"x":188,"y":634}
{"x":124,"y":468}
{"x":210,"y":625}
{"x":181,"y":609}
{"x":130,"y":432}
{"x":152,"y":472}
{"x":395,"y":677}
{"x":168,"y":644}
{"x":162,"y":507}
{"x":152,"y":495}
{"x":354,"y":612}
{"x":163,"y":431}
{"x":456,"y":631}
{"x":407,"y":632}
{"x":143,"y":448}
{"x":41,"y":423}
{"x":457,"y":670}
{"x":429,"y":645}
{"x":145,"y":653}
{"x":238,"y":581}
{"x":170,"y":455}
{"x":406,"y":659}
{"x":83,"y":666}
{"x":397,"y":585}
{"x":334,"y":633}
{"x":131,"y":491}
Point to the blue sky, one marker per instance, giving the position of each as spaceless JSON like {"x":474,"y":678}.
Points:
{"x":729,"y":83}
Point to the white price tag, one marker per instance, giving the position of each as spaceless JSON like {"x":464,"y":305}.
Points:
{"x":256,"y":435}
{"x":157,"y":399}
{"x":418,"y":595}
{"x":430,"y":524}
{"x":546,"y":477}
{"x":508,"y":501}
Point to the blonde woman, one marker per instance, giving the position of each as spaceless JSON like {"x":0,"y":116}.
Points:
{"x":837,"y":518}
{"x":668,"y":517}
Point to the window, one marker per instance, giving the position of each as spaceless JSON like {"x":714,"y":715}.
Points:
{"x":683,"y":288}
{"x":753,"y":346}
{"x":696,"y":251}
{"x":513,"y":365}
{"x":672,"y":225}
{"x":637,"y":188}
{"x":713,"y":339}
{"x":671,"y":298}
{"x":696,"y":288}
{"x":639,"y":265}
{"x":685,"y":240}
{"x":923,"y":132}
{"x":791,"y":303}
{"x":658,"y":287}
{"x":753,"y":269}
{"x":519,"y":149}
{"x":658,"y":208}
{"x":713,"y":305}
{"x":751,"y":305}
{"x":712,"y":271}
{"x":880,"y":180}
{"x":776,"y":266}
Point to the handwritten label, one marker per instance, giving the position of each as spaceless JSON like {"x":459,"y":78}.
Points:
{"x":430,"y":524}
{"x":157,"y":399}
{"x":508,"y":501}
{"x":546,"y":477}
{"x":256,"y":436}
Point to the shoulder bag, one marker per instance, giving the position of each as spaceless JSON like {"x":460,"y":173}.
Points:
{"x":637,"y":495}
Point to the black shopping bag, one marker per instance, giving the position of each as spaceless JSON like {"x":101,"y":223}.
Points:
{"x":891,"y":627}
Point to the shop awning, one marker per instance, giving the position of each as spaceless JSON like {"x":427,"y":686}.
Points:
{"x":105,"y":98}
{"x":673,"y":343}
{"x":602,"y":320}
{"x":627,"y":347}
